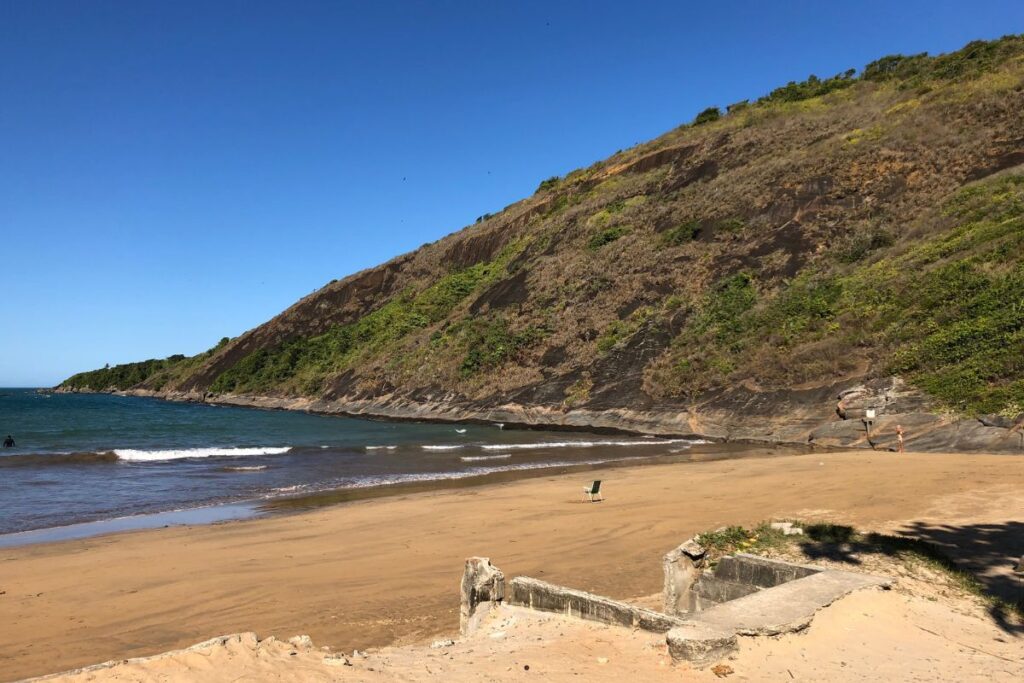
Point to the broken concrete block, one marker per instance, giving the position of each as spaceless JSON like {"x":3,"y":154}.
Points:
{"x":682,"y":568}
{"x":302,"y":642}
{"x":482,"y":584}
{"x":700,"y":644}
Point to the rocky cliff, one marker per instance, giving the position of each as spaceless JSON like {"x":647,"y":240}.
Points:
{"x":770,"y":272}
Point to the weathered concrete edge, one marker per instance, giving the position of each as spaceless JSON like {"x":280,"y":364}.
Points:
{"x":864,"y":581}
{"x":546,"y":597}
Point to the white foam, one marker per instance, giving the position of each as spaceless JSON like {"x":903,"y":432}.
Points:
{"x":386,"y":480}
{"x":444,"y":447}
{"x":291,"y":489}
{"x":253,"y":468}
{"x":377,"y":448}
{"x":586,"y":444}
{"x":177,"y":454}
{"x":474,"y":458}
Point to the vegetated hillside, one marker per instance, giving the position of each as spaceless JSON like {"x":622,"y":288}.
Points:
{"x":731,"y":277}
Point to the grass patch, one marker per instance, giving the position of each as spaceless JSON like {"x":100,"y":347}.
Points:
{"x":736,"y":539}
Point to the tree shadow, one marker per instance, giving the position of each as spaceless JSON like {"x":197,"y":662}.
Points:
{"x":989,"y":552}
{"x":982,"y":556}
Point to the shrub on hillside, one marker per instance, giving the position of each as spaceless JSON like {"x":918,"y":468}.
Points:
{"x":975,"y":58}
{"x":855,"y":246}
{"x":681,"y":234}
{"x":795,"y":91}
{"x":707,"y":116}
{"x":607,"y":236}
{"x":548,"y":184}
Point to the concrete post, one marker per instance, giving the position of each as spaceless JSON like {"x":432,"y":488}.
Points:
{"x":682,"y":567}
{"x":482,"y":582}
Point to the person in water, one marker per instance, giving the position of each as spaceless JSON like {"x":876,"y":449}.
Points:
{"x":9,"y":442}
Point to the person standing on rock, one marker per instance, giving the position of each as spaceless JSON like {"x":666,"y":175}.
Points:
{"x":899,"y":438}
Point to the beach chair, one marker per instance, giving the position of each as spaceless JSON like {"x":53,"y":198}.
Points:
{"x":593,"y":490}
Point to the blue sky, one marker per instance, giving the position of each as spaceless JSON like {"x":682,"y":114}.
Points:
{"x":175,"y":172}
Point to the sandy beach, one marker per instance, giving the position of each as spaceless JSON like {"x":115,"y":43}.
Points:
{"x":385,"y":571}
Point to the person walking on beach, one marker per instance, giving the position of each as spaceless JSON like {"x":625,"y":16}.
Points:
{"x":9,"y":442}
{"x":899,"y":438}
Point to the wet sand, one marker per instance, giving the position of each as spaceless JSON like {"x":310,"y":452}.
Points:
{"x":386,"y":570}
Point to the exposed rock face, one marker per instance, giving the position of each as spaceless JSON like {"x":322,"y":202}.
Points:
{"x":785,"y":417}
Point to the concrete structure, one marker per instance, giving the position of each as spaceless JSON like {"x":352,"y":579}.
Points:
{"x":540,"y":595}
{"x":736,"y":576}
{"x":483,"y":584}
{"x":682,"y":567}
{"x":706,"y":611}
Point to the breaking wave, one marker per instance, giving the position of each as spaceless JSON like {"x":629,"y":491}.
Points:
{"x":474,"y":458}
{"x":177,"y":454}
{"x":391,"y":480}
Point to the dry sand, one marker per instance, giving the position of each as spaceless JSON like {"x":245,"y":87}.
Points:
{"x":387,"y":570}
{"x":872,"y":635}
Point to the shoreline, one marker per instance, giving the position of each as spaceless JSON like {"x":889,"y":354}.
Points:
{"x":240,"y":510}
{"x":385,"y":570}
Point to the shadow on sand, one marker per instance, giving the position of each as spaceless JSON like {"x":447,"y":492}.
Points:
{"x":981,"y":555}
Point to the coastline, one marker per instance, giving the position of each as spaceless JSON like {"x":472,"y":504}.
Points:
{"x":790,"y":417}
{"x":384,"y":570}
{"x":255,"y":507}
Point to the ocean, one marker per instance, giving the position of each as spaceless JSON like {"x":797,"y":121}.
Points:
{"x":93,"y":461}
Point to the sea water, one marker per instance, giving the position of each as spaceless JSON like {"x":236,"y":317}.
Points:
{"x":83,"y":458}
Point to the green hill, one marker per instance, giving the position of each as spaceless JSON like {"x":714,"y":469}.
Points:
{"x":731,"y":277}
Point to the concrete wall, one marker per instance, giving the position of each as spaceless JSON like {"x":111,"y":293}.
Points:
{"x":548,"y":597}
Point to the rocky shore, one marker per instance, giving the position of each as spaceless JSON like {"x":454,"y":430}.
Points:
{"x":846,"y":415}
